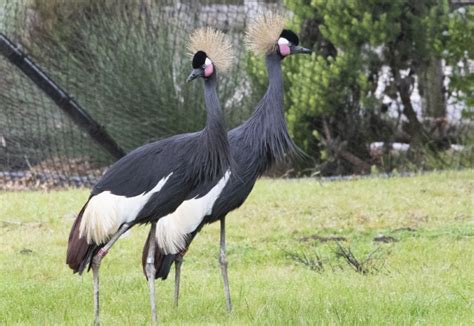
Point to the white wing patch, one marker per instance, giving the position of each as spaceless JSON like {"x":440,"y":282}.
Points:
{"x":105,"y":213}
{"x":172,"y":229}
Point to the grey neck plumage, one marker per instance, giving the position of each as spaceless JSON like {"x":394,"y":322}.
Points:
{"x":267,"y":132}
{"x":212,"y":157}
{"x":215,"y":124}
{"x":274,"y":91}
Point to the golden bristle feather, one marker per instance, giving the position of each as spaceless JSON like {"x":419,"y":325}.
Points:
{"x":262,"y":34}
{"x":216,"y":45}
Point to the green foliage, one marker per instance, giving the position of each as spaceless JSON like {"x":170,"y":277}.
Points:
{"x":353,"y":42}
{"x":456,"y":46}
{"x":426,"y":276}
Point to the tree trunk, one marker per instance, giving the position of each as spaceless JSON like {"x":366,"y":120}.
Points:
{"x":414,"y":127}
{"x":432,"y":89}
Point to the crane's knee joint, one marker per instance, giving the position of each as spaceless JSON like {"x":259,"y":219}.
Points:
{"x":101,"y":253}
{"x":96,"y":260}
{"x":150,"y":270}
{"x":222,"y":260}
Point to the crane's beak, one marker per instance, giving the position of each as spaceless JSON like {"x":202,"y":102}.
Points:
{"x":195,"y":74}
{"x":299,"y":49}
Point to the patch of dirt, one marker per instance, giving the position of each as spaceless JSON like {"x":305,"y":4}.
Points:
{"x":405,"y":229}
{"x":70,"y":216}
{"x":26,"y":251}
{"x":5,"y":224}
{"x":52,"y":173}
{"x":319,"y":238}
{"x":385,"y":238}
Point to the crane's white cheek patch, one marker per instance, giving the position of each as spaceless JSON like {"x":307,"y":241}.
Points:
{"x":172,"y":229}
{"x":105,"y":213}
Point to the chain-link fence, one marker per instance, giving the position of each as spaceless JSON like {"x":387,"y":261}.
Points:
{"x":125,"y":63}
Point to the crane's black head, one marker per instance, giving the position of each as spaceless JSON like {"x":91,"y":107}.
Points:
{"x":202,"y":66}
{"x":288,"y":44}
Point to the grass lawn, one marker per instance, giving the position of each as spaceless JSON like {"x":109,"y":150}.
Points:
{"x":423,"y":275}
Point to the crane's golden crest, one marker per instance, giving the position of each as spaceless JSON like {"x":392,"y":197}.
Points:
{"x":263,"y":33}
{"x":215,"y":44}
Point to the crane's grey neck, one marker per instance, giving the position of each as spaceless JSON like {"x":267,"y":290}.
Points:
{"x":212,"y":157}
{"x":272,"y":102}
{"x":215,"y":116}
{"x":275,"y":79}
{"x":267,"y":132}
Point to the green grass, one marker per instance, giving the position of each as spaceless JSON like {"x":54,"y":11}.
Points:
{"x":426,"y":278}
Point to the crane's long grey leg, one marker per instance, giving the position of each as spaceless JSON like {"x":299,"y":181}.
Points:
{"x":177,"y":279}
{"x":151,"y":271}
{"x":223,"y":263}
{"x":95,"y":272}
{"x":96,"y":260}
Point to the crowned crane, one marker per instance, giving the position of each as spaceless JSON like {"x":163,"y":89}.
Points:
{"x":170,"y":183}
{"x":255,"y":145}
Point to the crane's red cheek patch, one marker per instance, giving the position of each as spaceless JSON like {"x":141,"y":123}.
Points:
{"x":284,"y":49}
{"x":208,"y":70}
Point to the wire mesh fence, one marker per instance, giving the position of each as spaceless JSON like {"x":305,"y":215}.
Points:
{"x":125,"y":63}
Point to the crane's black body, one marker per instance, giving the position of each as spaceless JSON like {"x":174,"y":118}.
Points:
{"x":254,"y":146}
{"x":195,"y":162}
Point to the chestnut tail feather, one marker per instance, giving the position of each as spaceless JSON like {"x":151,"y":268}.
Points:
{"x":79,"y":252}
